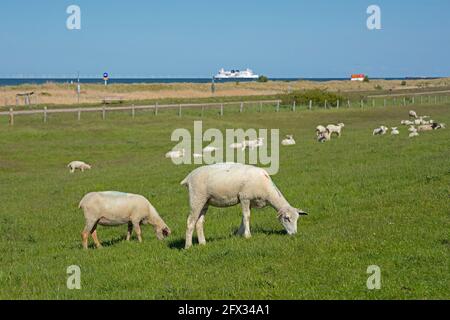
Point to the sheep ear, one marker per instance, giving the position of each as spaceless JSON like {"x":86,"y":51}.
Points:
{"x":302,"y":213}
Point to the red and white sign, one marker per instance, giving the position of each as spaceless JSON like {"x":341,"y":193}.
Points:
{"x":358,"y":77}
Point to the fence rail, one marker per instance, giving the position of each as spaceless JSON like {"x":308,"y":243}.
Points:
{"x":370,"y":101}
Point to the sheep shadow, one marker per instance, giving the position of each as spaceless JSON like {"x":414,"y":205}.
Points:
{"x":178,"y":244}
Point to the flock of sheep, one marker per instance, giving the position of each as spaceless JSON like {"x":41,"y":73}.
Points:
{"x":218,"y":185}
{"x":421,"y":123}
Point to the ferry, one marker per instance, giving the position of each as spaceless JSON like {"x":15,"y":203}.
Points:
{"x":236,"y":74}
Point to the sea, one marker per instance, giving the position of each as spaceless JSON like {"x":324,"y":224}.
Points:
{"x":31,"y":81}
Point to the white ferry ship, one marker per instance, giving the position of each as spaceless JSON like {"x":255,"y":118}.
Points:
{"x":236,"y":74}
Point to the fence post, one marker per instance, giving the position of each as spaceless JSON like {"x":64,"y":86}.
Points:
{"x":45,"y":114}
{"x":11,"y":116}
{"x":179,"y":110}
{"x":241,"y":108}
{"x":203,"y":110}
{"x":395,"y":101}
{"x":384,"y":102}
{"x":103,"y":113}
{"x":310,"y":104}
{"x":293,"y":106}
{"x":337,"y":103}
{"x":133,"y":111}
{"x":362,"y":103}
{"x":349,"y":103}
{"x":404,"y":101}
{"x":326,"y":104}
{"x":221,"y":109}
{"x":278,"y":106}
{"x":79,"y":113}
{"x":260,"y":106}
{"x":421,"y":100}
{"x":373,"y":103}
{"x":156,"y":109}
{"x":413,"y":100}
{"x":435,"y":99}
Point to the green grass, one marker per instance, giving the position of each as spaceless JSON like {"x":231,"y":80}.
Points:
{"x":372,"y":201}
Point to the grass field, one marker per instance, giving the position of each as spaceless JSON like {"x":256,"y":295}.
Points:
{"x":371,"y":201}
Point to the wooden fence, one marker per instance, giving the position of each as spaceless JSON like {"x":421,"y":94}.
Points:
{"x":373,"y":101}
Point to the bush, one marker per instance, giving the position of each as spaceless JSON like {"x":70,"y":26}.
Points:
{"x":263,"y":79}
{"x":378,"y":87}
{"x":366,"y":79}
{"x":403,"y":83}
{"x":318,"y":97}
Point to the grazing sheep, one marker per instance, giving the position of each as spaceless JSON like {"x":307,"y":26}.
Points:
{"x":335,"y":129}
{"x":113,"y":208}
{"x":78,"y":165}
{"x":380,"y":131}
{"x":425,"y":127}
{"x":175,"y":154}
{"x":437,"y":126}
{"x":413,"y":134}
{"x":289,"y":141}
{"x":394,"y":131}
{"x":252,"y":144}
{"x":413,"y":114}
{"x":226,"y":185}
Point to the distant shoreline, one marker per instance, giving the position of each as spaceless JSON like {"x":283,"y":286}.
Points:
{"x":38,"y":81}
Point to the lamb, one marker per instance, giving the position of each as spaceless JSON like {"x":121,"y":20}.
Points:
{"x":175,"y":154}
{"x":289,"y":141}
{"x":412,"y":129}
{"x":380,"y":131}
{"x":78,"y":165}
{"x":394,"y":131}
{"x":335,"y":129}
{"x":113,"y":208}
{"x":413,"y":114}
{"x":228,"y":184}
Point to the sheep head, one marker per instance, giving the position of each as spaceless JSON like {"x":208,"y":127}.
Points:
{"x":162,"y":232}
{"x":288,"y":217}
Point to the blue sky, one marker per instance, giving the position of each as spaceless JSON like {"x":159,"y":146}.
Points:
{"x":179,"y":38}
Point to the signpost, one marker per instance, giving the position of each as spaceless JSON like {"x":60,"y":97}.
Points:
{"x":106,"y":78}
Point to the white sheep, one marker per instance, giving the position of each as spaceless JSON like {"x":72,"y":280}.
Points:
{"x":413,"y":114}
{"x":412,"y":129}
{"x":78,"y":165}
{"x":394,"y":131}
{"x":113,"y":208}
{"x":289,"y":141}
{"x":335,"y":129}
{"x":413,"y":134}
{"x":175,"y":154}
{"x":380,"y":131}
{"x":228,"y":184}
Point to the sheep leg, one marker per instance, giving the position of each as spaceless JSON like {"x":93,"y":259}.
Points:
{"x":196,"y":209}
{"x":244,"y":229}
{"x":94,"y":236}
{"x":130,"y":230}
{"x":199,"y":226}
{"x":137,"y":229}
{"x":90,"y":225}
